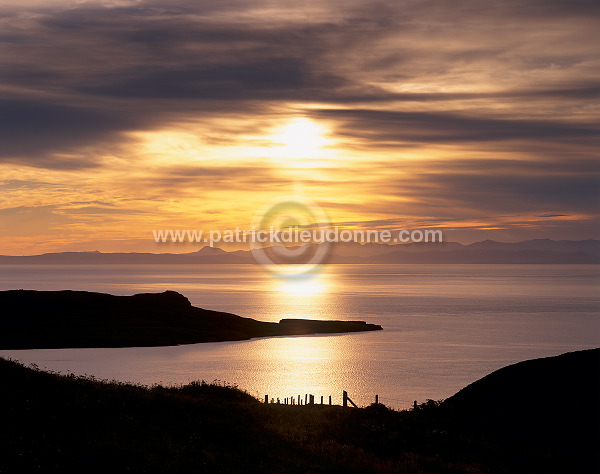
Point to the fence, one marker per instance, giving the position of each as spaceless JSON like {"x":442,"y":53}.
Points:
{"x":309,"y":399}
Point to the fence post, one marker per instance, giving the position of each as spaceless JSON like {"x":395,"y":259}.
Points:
{"x":344,"y":398}
{"x":321,"y":399}
{"x":311,"y":399}
{"x":415,"y":405}
{"x":376,"y":399}
{"x":266,"y":399}
{"x":330,"y":399}
{"x":348,"y":399}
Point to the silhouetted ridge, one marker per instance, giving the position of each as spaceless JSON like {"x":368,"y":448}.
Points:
{"x":57,"y":319}
{"x":549,"y":403}
{"x":170,"y":299}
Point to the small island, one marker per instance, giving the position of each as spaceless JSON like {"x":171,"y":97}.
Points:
{"x":79,"y":319}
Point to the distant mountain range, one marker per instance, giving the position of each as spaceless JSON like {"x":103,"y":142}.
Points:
{"x":538,"y":251}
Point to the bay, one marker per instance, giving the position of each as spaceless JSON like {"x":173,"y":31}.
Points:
{"x":445,"y":326}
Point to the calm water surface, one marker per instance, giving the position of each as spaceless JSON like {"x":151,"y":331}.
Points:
{"x":444,"y":325}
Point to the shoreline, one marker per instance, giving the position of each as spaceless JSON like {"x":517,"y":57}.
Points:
{"x":80,"y":319}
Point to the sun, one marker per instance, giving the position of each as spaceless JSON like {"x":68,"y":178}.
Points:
{"x":300,"y":141}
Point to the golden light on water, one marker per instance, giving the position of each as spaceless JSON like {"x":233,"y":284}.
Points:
{"x":309,"y":363}
{"x":307,"y":287}
{"x":304,"y":364}
{"x":303,"y":297}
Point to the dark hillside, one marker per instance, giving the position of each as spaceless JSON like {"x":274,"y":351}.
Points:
{"x":550,"y":404}
{"x":68,"y":424}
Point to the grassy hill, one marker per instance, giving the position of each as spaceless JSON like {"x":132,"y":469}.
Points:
{"x":53,"y":423}
{"x":550,"y":405}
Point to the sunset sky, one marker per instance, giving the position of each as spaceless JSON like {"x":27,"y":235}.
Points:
{"x":481,"y":118}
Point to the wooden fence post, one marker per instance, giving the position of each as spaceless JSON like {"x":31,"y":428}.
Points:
{"x":321,"y":399}
{"x":330,"y":399}
{"x":347,"y":399}
{"x":376,"y":399}
{"x":266,"y":399}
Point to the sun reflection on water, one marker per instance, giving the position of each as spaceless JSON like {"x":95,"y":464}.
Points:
{"x":303,"y":364}
{"x":303,"y":297}
{"x":307,"y":287}
{"x":292,"y":366}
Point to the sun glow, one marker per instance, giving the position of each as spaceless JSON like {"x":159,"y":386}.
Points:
{"x":301,"y":143}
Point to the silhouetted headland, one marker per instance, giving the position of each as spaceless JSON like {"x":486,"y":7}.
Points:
{"x":60,"y":319}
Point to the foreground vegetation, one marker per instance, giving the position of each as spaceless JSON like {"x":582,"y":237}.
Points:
{"x":53,"y":423}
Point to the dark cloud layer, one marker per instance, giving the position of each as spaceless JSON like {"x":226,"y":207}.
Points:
{"x":196,"y":51}
{"x":244,"y":80}
{"x":513,"y":83}
{"x":400,"y":127}
{"x":31,"y":131}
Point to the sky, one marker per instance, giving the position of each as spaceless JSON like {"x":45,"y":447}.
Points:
{"x":121,"y":117}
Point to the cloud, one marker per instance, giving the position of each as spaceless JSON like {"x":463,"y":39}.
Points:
{"x":22,"y":221}
{"x":206,"y":185}
{"x":18,"y":184}
{"x":437,"y":110}
{"x":390,"y":127}
{"x":91,"y":210}
{"x":35,"y":133}
{"x":472,"y":189}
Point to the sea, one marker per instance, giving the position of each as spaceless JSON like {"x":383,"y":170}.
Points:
{"x":444,"y":326}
